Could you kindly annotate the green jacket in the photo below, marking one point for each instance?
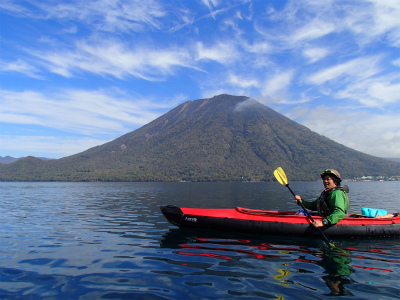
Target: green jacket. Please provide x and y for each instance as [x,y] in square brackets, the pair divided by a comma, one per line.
[337,202]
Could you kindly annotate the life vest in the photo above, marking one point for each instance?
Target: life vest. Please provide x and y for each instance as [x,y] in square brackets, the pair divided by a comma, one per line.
[323,205]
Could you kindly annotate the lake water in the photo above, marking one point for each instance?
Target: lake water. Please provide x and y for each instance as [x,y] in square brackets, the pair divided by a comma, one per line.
[110,241]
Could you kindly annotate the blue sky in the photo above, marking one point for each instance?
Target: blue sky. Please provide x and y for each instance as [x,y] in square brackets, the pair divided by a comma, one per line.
[76,74]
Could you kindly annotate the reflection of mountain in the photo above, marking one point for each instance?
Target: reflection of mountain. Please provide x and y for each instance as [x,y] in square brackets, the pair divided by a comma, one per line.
[219,139]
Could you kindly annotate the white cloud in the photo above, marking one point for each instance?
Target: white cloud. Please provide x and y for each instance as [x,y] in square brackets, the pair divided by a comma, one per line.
[246,104]
[14,9]
[385,91]
[20,66]
[105,15]
[315,54]
[48,146]
[386,20]
[299,23]
[257,47]
[110,57]
[396,62]
[362,131]
[354,69]
[373,92]
[77,111]
[368,21]
[363,22]
[278,84]
[242,82]
[312,30]
[221,52]
[211,4]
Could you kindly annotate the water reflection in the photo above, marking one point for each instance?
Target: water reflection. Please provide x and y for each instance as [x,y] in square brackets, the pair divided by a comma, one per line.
[305,263]
[336,264]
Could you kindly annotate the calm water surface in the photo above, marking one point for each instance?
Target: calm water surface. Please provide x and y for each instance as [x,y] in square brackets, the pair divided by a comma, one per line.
[110,241]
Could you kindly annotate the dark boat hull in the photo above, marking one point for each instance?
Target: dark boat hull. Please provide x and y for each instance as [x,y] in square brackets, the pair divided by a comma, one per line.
[278,223]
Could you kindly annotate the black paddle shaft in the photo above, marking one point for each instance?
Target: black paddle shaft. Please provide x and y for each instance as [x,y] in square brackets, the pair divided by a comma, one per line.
[308,215]
[301,204]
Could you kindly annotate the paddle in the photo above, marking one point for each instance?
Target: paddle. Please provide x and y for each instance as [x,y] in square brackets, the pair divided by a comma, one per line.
[281,177]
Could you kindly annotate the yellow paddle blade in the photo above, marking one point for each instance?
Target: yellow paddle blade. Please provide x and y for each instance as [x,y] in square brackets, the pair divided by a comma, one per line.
[281,176]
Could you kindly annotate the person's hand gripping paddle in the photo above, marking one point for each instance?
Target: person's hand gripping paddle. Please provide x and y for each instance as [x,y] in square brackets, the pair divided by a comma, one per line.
[282,179]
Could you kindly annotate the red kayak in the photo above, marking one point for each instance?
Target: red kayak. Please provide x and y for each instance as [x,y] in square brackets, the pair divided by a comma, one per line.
[280,223]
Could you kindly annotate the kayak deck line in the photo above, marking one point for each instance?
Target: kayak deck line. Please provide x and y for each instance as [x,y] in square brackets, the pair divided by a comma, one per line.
[262,212]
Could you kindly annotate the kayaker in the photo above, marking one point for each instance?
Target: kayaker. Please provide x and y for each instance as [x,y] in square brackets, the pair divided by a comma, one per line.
[333,202]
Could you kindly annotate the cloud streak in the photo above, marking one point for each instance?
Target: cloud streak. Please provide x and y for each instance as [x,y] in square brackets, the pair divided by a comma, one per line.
[76,111]
[48,146]
[20,66]
[358,68]
[114,58]
[104,15]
